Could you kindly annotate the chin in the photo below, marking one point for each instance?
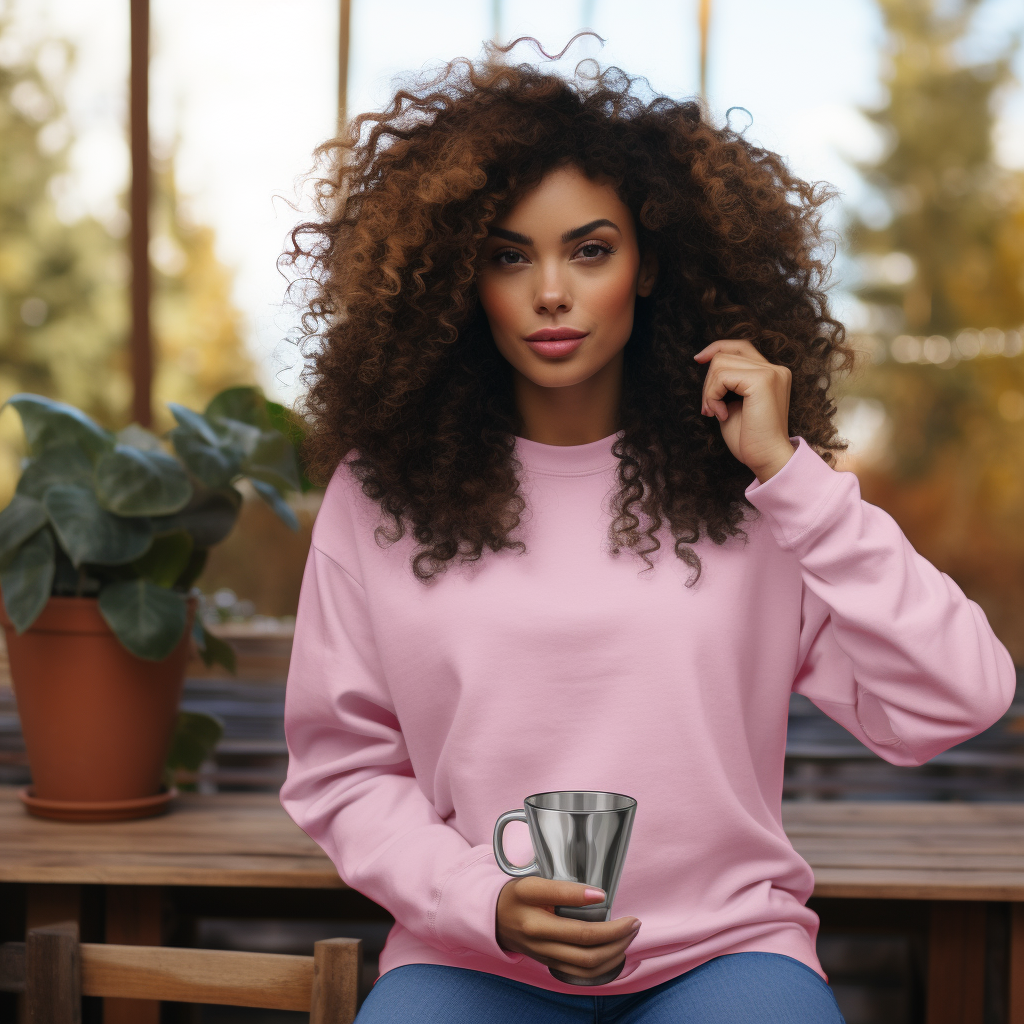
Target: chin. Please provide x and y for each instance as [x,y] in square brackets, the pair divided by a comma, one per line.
[562,375]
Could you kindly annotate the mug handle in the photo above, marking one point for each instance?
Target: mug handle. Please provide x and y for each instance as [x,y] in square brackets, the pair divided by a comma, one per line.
[499,851]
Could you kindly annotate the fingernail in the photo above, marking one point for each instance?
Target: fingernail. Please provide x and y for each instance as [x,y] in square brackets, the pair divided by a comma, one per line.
[593,894]
[635,928]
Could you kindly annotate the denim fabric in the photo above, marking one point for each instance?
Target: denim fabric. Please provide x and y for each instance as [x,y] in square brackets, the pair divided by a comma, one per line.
[739,988]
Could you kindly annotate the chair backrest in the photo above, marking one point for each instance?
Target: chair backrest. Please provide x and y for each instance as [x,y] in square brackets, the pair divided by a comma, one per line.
[55,970]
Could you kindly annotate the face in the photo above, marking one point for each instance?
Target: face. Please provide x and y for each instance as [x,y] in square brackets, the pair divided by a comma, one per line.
[558,280]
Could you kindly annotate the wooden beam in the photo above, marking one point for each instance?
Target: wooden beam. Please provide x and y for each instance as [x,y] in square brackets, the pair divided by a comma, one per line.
[344,30]
[956,964]
[141,336]
[50,904]
[134,916]
[53,992]
[704,25]
[272,981]
[336,967]
[1016,1014]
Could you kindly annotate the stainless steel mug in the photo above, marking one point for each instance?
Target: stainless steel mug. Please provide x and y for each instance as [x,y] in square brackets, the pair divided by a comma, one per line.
[577,836]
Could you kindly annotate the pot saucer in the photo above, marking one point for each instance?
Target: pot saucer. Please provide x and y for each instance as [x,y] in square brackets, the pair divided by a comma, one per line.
[102,810]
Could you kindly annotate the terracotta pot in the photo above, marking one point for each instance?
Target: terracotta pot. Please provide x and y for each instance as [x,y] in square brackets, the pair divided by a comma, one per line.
[97,720]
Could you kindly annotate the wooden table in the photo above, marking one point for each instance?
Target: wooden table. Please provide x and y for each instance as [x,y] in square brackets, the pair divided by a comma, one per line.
[960,857]
[228,843]
[956,859]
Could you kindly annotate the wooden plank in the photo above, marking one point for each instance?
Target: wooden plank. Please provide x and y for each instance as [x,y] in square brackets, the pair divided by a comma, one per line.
[795,812]
[899,859]
[336,968]
[131,869]
[53,993]
[1016,1013]
[924,885]
[133,916]
[884,850]
[197,824]
[272,981]
[956,964]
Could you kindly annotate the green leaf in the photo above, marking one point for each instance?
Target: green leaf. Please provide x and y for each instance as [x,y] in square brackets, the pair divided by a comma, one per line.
[71,582]
[236,436]
[167,558]
[246,404]
[22,517]
[212,649]
[211,464]
[193,422]
[132,482]
[48,423]
[61,464]
[295,428]
[196,735]
[149,620]
[89,533]
[273,461]
[208,517]
[26,578]
[193,568]
[287,422]
[136,436]
[281,508]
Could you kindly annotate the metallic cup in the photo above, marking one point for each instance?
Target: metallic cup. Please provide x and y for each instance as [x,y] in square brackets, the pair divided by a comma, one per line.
[577,836]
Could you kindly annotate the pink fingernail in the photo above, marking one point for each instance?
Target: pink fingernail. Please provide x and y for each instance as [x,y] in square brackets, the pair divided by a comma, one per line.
[593,894]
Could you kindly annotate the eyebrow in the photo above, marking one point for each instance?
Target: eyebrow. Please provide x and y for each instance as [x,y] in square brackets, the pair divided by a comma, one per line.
[585,229]
[511,236]
[568,236]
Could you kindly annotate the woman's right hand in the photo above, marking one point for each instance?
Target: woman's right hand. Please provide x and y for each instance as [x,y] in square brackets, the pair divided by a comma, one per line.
[525,922]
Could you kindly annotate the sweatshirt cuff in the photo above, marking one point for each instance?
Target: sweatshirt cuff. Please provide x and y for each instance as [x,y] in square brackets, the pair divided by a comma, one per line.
[464,918]
[796,499]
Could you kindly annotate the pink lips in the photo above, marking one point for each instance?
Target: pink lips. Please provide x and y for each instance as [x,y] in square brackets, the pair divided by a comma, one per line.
[555,341]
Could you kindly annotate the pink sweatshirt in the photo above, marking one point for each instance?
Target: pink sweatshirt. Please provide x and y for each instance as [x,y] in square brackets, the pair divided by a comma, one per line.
[416,714]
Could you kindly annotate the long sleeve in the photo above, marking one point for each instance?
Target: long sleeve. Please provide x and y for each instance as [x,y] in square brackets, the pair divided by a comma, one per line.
[350,782]
[890,647]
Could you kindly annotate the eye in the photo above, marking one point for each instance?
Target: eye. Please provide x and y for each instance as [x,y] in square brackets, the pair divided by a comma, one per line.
[509,258]
[593,250]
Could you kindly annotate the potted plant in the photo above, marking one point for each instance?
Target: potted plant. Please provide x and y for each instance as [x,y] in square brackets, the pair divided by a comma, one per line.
[99,551]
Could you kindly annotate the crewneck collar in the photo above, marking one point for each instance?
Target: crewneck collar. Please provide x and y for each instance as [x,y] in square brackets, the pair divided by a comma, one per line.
[567,459]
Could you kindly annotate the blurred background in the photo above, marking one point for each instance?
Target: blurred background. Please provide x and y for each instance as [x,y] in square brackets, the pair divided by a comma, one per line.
[913,109]
[152,161]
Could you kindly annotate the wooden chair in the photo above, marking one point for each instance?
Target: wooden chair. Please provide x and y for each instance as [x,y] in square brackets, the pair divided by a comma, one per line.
[54,970]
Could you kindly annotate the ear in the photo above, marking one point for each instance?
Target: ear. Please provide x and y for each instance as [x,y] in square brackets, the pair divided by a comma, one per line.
[647,275]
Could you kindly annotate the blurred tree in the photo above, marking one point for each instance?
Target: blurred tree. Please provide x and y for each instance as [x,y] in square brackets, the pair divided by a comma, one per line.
[63,276]
[948,198]
[943,277]
[197,328]
[62,304]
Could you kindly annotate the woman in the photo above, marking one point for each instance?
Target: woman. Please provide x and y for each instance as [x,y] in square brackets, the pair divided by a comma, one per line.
[587,332]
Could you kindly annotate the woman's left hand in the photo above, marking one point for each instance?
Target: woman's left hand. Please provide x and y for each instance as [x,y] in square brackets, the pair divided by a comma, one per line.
[756,429]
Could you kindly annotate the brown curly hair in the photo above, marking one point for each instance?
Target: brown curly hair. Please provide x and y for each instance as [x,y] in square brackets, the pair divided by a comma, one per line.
[404,378]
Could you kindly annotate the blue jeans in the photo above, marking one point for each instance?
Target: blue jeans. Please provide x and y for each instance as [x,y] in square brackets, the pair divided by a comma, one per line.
[739,988]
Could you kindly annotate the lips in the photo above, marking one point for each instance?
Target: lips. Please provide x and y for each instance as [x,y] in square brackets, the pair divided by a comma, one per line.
[556,334]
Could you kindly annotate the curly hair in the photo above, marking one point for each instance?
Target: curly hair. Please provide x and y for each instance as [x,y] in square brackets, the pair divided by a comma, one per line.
[405,381]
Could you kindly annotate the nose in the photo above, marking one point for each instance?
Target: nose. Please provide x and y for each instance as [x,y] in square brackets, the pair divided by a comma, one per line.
[552,295]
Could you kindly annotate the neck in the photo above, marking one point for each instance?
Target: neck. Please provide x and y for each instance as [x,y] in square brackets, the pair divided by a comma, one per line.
[576,414]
